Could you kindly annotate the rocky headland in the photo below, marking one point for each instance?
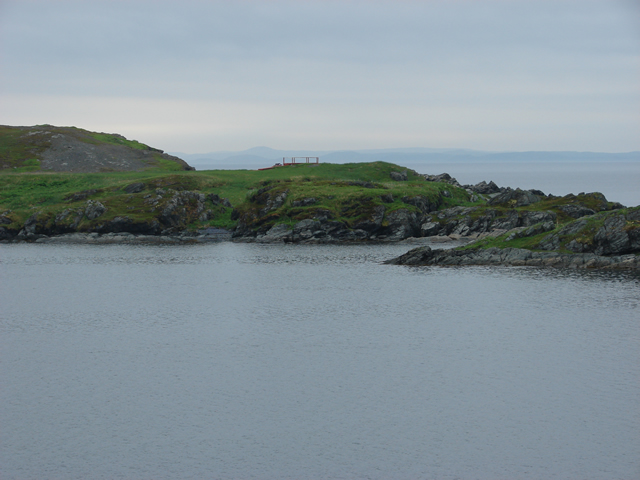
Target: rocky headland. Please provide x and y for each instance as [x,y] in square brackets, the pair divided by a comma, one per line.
[158,200]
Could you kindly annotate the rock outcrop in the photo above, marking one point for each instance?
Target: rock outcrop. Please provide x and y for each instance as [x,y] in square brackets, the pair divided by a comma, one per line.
[604,240]
[606,233]
[163,212]
[514,257]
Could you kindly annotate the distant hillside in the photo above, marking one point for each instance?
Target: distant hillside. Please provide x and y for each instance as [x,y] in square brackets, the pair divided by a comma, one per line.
[71,149]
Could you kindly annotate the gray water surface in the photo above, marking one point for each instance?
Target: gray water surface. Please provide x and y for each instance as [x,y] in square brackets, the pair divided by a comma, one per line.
[261,361]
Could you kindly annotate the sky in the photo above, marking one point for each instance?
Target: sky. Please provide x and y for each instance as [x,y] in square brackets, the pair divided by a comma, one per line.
[202,76]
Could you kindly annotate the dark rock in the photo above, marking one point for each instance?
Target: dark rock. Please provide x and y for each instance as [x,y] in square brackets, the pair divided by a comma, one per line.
[513,257]
[30,225]
[80,195]
[323,215]
[402,224]
[612,238]
[183,208]
[135,187]
[217,200]
[605,233]
[531,231]
[516,198]
[576,210]
[94,209]
[387,198]
[526,219]
[359,183]
[442,178]
[511,220]
[399,176]
[306,202]
[277,233]
[273,202]
[429,229]
[124,224]
[214,198]
[485,188]
[422,203]
[372,224]
[305,229]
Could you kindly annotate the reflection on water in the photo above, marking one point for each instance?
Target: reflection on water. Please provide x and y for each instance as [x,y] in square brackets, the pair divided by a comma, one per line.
[265,361]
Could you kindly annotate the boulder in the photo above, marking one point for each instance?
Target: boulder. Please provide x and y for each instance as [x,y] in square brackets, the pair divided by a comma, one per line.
[135,187]
[94,209]
[517,198]
[576,210]
[485,188]
[399,176]
[442,178]
[278,233]
[429,229]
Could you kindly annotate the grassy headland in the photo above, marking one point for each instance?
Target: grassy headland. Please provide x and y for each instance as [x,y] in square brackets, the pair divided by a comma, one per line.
[347,191]
[56,180]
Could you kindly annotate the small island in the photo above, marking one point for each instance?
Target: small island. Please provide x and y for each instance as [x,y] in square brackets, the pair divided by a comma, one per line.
[65,184]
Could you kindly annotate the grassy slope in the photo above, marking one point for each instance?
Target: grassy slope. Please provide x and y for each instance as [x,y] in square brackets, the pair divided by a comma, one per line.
[17,154]
[19,151]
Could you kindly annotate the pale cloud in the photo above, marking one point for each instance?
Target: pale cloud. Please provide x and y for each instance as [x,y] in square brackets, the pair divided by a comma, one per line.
[199,76]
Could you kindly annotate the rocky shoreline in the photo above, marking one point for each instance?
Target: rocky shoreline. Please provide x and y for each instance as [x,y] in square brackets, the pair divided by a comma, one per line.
[508,226]
[518,257]
[199,236]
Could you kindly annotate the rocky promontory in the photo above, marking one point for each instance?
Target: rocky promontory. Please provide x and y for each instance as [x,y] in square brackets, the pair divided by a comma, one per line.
[603,240]
[63,184]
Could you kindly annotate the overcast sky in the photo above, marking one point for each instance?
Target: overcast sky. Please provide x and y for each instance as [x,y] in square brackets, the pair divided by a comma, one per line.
[199,76]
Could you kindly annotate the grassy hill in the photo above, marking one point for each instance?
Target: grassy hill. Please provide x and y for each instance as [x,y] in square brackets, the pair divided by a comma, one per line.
[71,149]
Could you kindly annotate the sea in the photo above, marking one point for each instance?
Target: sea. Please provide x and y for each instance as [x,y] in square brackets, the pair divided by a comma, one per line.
[248,361]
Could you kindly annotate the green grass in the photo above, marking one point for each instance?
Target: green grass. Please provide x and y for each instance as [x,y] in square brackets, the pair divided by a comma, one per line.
[116,140]
[15,152]
[530,243]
